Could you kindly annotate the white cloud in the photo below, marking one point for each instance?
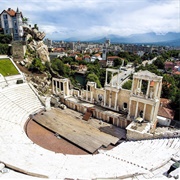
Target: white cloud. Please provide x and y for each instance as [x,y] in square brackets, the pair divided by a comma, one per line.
[69,18]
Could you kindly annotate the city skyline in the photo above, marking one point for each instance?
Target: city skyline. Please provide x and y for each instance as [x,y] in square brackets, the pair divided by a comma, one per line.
[87,19]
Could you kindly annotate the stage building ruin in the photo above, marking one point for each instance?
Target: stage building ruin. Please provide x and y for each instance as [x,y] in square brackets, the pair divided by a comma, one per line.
[135,109]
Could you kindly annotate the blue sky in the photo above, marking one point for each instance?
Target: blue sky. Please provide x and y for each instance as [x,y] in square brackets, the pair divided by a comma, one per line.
[61,19]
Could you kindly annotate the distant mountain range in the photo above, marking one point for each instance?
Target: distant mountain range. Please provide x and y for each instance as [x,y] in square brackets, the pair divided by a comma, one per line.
[168,39]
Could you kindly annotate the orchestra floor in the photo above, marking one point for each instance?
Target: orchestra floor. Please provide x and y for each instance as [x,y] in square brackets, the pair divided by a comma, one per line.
[64,131]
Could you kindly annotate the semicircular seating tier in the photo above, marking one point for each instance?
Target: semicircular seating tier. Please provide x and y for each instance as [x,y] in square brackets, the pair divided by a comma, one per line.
[126,160]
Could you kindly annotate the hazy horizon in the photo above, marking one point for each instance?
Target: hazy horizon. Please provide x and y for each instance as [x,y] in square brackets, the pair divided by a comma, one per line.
[93,18]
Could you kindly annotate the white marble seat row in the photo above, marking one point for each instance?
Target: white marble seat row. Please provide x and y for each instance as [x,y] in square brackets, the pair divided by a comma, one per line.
[148,155]
[127,159]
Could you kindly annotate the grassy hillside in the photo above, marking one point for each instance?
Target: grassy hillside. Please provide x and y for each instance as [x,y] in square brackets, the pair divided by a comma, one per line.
[7,68]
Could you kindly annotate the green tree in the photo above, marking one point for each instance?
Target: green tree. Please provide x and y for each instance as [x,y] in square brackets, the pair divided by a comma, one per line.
[36,27]
[37,66]
[177,80]
[62,69]
[25,20]
[117,62]
[176,105]
[94,78]
[5,38]
[4,48]
[94,69]
[110,53]
[66,60]
[169,88]
[127,85]
[159,62]
[102,76]
[150,67]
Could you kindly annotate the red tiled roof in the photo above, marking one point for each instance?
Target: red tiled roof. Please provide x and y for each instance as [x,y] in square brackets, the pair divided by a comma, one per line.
[72,55]
[96,55]
[177,73]
[165,102]
[58,49]
[113,57]
[11,12]
[168,62]
[86,56]
[165,112]
[79,58]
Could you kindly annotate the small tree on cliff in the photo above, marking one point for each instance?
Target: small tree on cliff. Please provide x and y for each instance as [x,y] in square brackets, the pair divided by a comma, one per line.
[37,66]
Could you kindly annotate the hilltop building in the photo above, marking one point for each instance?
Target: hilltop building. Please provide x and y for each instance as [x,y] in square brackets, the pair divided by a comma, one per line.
[11,22]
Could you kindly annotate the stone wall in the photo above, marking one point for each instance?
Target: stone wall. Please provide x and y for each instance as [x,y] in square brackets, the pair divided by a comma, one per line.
[137,135]
[18,50]
[101,114]
[98,92]
[123,97]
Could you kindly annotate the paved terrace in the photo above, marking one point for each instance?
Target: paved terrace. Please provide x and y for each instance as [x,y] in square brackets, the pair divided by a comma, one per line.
[145,158]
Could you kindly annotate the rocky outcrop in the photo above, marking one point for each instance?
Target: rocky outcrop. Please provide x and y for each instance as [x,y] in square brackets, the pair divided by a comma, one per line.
[35,44]
[41,83]
[41,49]
[36,35]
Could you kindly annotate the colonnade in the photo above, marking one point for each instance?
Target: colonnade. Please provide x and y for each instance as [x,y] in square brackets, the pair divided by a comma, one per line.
[113,71]
[153,90]
[151,96]
[60,87]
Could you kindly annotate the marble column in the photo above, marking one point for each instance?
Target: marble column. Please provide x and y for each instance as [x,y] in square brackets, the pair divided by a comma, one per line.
[106,77]
[117,84]
[56,87]
[152,112]
[111,79]
[91,96]
[137,105]
[140,84]
[67,88]
[129,112]
[115,105]
[63,91]
[110,95]
[132,88]
[53,86]
[137,88]
[104,97]
[86,95]
[156,90]
[159,89]
[147,92]
[144,110]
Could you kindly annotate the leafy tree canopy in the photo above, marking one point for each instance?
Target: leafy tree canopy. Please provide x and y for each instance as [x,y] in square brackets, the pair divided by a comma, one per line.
[37,66]
[159,62]
[127,85]
[150,67]
[5,38]
[117,62]
[58,66]
[94,69]
[4,48]
[169,88]
[94,78]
